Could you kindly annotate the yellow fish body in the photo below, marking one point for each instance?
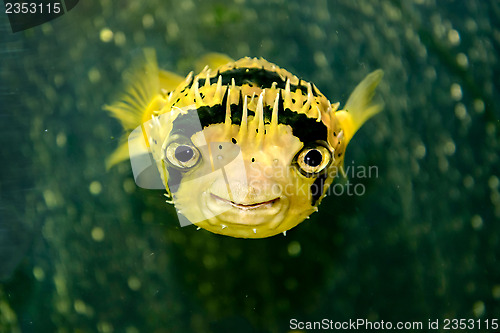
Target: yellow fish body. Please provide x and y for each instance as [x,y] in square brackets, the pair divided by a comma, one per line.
[244,148]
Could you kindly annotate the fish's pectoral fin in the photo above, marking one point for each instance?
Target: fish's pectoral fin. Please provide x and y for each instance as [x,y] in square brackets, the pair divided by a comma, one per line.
[119,155]
[169,80]
[359,107]
[138,101]
[131,145]
[142,84]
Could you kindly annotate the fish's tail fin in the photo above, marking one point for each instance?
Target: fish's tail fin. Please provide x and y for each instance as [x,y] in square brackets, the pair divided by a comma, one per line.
[359,107]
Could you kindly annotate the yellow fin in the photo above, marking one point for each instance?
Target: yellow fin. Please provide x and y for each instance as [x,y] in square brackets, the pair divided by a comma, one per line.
[143,85]
[119,155]
[141,96]
[359,107]
[212,60]
[169,81]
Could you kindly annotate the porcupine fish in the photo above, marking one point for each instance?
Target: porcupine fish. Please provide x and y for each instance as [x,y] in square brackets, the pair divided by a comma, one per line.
[244,148]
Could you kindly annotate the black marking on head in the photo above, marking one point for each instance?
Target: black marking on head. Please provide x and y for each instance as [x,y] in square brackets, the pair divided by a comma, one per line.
[254,77]
[305,128]
[317,188]
[253,159]
[211,115]
[187,124]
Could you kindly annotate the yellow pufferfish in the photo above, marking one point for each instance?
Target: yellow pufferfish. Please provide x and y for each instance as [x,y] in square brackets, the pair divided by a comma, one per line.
[244,148]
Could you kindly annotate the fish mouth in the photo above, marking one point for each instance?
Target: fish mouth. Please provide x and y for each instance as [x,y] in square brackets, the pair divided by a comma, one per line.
[250,206]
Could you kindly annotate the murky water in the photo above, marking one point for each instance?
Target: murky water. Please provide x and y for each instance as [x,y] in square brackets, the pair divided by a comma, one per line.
[83,249]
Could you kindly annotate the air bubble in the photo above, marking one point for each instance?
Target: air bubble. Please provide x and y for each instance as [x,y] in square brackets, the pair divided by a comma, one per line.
[106,35]
[95,188]
[478,308]
[454,37]
[476,222]
[97,234]
[462,60]
[294,249]
[456,91]
[479,105]
[493,182]
[460,111]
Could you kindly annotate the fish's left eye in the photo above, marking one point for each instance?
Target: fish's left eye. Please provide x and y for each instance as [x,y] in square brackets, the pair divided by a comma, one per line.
[312,160]
[182,155]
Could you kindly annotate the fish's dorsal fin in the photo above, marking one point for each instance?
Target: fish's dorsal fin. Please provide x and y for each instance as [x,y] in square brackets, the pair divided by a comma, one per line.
[212,60]
[359,107]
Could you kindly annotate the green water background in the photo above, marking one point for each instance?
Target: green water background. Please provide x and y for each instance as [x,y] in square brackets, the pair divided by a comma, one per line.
[98,254]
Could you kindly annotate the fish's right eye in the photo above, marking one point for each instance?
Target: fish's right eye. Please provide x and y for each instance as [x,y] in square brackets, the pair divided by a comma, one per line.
[182,155]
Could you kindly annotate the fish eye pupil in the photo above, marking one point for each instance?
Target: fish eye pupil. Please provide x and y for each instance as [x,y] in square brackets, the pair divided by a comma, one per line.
[184,153]
[313,158]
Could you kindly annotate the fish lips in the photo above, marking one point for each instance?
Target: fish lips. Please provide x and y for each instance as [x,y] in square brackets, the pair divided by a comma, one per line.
[270,212]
